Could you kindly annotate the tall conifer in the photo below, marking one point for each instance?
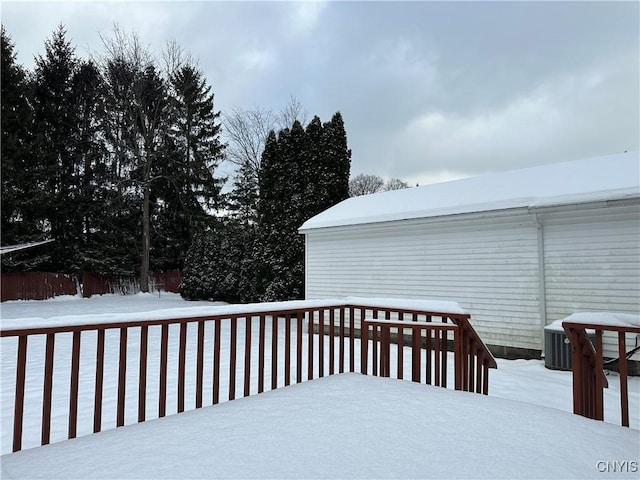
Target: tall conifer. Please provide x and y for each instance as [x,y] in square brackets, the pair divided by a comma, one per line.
[56,123]
[19,218]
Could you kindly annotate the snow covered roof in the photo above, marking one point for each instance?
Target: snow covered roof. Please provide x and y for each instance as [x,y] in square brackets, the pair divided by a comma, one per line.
[603,178]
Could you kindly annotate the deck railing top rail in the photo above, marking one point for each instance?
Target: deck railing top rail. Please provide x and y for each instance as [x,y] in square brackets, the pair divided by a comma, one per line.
[445,325]
[12,327]
[603,327]
[447,311]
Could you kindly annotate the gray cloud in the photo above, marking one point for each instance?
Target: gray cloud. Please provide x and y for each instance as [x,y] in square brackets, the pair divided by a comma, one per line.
[428,90]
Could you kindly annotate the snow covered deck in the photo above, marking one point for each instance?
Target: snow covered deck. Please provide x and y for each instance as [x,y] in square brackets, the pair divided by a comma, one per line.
[140,363]
[346,426]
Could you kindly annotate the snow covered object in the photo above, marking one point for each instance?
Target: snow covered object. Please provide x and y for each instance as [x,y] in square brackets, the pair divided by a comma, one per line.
[517,249]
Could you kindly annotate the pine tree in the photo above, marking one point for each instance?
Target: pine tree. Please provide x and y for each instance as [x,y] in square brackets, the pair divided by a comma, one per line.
[242,233]
[216,262]
[56,123]
[116,161]
[243,199]
[197,133]
[18,180]
[89,151]
[302,173]
[316,169]
[270,175]
[187,190]
[197,273]
[338,161]
[120,232]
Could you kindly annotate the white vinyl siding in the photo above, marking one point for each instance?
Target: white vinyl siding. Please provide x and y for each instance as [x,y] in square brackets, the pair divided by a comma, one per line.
[592,264]
[490,267]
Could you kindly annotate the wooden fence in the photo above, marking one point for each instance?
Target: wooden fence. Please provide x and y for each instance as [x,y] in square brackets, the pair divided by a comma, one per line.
[36,285]
[95,284]
[40,286]
[288,345]
[588,369]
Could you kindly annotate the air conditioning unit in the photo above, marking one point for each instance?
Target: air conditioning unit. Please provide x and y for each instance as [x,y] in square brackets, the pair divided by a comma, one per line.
[557,347]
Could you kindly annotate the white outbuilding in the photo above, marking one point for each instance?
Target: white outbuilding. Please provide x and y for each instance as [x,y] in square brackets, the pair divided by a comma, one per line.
[516,249]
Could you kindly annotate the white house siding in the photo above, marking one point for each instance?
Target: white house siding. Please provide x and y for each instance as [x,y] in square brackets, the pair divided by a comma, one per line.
[592,263]
[517,249]
[488,265]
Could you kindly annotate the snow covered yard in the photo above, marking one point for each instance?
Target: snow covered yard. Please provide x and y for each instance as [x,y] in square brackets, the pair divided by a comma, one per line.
[524,381]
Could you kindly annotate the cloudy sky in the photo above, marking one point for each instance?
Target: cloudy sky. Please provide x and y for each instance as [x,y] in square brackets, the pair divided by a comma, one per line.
[429,91]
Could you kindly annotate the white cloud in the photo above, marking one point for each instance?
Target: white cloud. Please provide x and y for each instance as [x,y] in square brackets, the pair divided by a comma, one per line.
[305,15]
[582,114]
[255,58]
[427,89]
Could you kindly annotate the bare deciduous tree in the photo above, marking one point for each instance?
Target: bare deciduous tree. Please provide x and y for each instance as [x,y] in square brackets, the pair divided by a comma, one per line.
[174,57]
[396,184]
[291,112]
[246,131]
[363,184]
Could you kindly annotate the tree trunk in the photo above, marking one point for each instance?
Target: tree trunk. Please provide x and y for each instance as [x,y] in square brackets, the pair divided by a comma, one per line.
[146,241]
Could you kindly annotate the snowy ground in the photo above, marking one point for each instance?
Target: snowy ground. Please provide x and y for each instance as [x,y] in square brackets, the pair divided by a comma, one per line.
[521,380]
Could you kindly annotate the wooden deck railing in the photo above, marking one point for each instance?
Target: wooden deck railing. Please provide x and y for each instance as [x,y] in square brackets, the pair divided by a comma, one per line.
[291,343]
[472,359]
[588,369]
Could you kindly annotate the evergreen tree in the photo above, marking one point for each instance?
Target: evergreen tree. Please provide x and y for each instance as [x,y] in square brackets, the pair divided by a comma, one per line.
[260,256]
[243,230]
[338,162]
[187,190]
[286,250]
[302,173]
[56,124]
[243,199]
[90,154]
[18,177]
[198,276]
[316,167]
[218,265]
[149,114]
[123,217]
[112,160]
[270,177]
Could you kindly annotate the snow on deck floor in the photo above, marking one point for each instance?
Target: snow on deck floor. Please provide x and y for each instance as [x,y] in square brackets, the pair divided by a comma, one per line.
[522,380]
[346,426]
